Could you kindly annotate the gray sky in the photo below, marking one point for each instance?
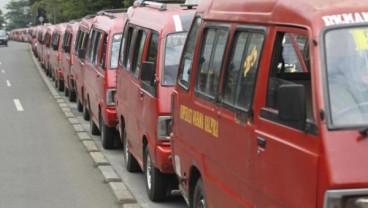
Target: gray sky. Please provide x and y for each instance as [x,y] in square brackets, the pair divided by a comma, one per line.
[2,5]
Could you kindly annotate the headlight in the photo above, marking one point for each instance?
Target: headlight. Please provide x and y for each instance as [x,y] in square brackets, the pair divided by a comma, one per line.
[163,128]
[110,96]
[348,198]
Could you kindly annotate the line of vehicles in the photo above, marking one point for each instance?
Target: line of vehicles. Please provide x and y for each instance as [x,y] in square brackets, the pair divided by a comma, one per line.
[237,103]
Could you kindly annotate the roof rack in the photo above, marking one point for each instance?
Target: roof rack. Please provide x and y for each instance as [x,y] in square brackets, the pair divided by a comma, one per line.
[111,12]
[74,21]
[190,4]
[90,16]
[152,4]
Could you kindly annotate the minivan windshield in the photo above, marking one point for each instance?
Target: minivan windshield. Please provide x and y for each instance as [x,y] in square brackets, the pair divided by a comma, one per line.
[173,48]
[346,53]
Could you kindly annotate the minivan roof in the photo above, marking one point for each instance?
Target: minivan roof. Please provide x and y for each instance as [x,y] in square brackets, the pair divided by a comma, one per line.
[161,21]
[285,12]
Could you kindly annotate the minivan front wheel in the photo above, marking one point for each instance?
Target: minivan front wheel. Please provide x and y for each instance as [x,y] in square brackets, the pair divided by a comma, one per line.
[156,182]
[131,164]
[199,199]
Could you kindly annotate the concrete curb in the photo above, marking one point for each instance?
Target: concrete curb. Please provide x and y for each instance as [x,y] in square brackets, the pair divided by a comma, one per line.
[84,136]
[109,174]
[122,193]
[99,159]
[90,146]
[119,189]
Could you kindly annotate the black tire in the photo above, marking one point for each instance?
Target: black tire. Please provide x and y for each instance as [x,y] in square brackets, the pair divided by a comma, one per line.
[86,116]
[72,96]
[131,163]
[107,134]
[199,197]
[79,105]
[156,182]
[94,128]
[60,85]
[66,92]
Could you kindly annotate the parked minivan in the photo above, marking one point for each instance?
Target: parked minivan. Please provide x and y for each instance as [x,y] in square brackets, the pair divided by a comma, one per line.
[77,72]
[46,52]
[269,109]
[56,54]
[151,47]
[100,73]
[67,59]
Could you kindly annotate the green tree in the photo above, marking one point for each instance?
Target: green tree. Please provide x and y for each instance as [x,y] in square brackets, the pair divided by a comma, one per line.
[65,10]
[18,14]
[2,19]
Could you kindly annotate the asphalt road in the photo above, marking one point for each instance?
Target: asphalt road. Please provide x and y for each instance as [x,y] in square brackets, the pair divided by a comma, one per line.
[43,162]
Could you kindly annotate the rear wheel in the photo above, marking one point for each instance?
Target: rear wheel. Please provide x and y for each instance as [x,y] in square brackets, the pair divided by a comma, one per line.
[94,128]
[107,134]
[72,96]
[131,163]
[156,182]
[86,115]
[60,85]
[66,91]
[199,198]
[79,105]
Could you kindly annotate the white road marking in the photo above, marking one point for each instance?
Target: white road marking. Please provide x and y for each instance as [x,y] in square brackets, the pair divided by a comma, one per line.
[8,83]
[18,105]
[3,71]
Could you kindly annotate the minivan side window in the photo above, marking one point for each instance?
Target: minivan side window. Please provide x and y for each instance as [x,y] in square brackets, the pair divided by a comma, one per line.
[210,61]
[127,42]
[186,64]
[153,47]
[290,65]
[138,52]
[92,38]
[102,59]
[97,48]
[241,73]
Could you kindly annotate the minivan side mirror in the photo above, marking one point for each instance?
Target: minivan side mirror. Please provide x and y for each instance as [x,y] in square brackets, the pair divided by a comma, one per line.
[291,103]
[81,53]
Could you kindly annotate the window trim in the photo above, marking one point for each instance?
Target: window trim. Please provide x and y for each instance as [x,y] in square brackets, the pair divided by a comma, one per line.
[211,25]
[271,114]
[251,29]
[181,68]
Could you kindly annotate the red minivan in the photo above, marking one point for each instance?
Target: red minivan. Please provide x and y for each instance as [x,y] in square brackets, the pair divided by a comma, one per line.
[100,73]
[56,54]
[46,64]
[77,71]
[270,107]
[67,59]
[151,47]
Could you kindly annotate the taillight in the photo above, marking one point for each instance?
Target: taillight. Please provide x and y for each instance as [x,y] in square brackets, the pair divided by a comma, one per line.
[163,132]
[110,96]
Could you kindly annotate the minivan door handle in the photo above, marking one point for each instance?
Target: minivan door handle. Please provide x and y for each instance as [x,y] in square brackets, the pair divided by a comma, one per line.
[261,142]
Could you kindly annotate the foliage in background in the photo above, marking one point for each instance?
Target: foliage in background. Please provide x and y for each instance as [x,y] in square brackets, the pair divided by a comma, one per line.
[18,14]
[56,11]
[2,20]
